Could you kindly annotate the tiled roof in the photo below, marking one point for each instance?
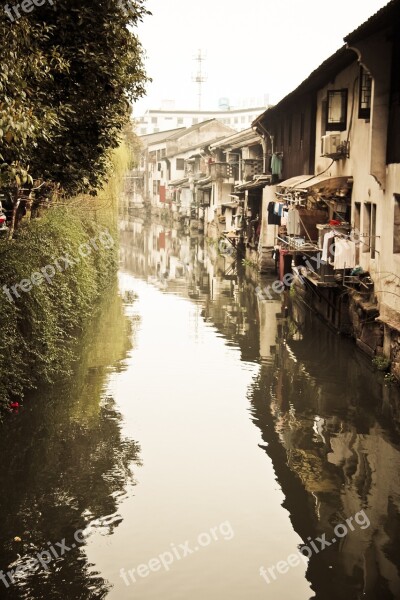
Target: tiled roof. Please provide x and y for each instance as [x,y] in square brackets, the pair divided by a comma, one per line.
[190,129]
[341,59]
[199,145]
[205,112]
[238,138]
[386,16]
[159,136]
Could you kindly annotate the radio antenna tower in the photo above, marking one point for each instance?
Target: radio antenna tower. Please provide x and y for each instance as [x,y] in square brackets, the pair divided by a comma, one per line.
[200,77]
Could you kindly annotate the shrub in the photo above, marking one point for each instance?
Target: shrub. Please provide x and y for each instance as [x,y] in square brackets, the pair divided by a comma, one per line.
[381,363]
[39,326]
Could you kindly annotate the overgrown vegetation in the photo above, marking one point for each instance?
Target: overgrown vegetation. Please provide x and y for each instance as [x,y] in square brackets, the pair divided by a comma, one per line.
[381,363]
[69,70]
[39,327]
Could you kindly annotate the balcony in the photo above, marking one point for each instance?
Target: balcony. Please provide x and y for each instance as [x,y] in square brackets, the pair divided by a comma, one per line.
[223,170]
[251,168]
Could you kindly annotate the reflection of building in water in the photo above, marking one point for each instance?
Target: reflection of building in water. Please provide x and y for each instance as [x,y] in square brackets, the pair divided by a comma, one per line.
[268,311]
[329,419]
[152,251]
[179,264]
[329,425]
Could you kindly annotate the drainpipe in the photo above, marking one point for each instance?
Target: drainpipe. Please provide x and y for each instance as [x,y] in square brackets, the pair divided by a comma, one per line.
[271,138]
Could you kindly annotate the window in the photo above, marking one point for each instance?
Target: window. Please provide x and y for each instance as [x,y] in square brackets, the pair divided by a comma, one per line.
[365,92]
[396,225]
[180,120]
[236,120]
[195,121]
[154,120]
[180,164]
[370,229]
[336,118]
[242,119]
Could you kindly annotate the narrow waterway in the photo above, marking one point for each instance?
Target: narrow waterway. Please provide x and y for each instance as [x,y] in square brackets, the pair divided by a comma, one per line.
[201,437]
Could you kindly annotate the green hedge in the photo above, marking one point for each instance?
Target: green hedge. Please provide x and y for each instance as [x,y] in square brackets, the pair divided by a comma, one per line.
[37,328]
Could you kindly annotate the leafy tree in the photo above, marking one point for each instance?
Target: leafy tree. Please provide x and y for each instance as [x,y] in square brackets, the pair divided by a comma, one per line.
[26,111]
[69,73]
[105,73]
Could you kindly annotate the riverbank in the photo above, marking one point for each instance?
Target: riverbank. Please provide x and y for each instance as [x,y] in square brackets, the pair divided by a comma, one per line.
[52,276]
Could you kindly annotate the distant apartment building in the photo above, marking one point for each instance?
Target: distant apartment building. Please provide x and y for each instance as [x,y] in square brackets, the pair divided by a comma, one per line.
[154,121]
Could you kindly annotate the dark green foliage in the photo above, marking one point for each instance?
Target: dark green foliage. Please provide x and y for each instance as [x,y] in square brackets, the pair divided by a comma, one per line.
[68,73]
[381,363]
[38,328]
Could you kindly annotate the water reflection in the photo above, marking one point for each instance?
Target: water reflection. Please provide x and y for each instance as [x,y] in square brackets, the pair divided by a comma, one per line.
[273,424]
[66,467]
[328,422]
[338,426]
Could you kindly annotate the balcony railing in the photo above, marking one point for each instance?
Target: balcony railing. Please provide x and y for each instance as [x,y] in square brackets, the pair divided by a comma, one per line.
[252,167]
[223,170]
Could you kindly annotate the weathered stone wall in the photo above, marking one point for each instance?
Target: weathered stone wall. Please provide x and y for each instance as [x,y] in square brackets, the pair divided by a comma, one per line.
[367,332]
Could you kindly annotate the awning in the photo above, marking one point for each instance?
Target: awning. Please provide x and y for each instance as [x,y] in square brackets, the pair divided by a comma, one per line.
[293,182]
[230,204]
[260,182]
[204,184]
[316,183]
[179,182]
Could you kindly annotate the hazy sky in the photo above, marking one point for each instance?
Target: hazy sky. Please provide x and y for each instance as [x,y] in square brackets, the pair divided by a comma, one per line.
[253,48]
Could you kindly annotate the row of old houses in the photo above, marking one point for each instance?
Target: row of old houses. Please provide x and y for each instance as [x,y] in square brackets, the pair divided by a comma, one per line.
[313,184]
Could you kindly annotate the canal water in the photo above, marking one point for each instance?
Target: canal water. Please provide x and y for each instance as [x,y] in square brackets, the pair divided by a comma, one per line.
[205,447]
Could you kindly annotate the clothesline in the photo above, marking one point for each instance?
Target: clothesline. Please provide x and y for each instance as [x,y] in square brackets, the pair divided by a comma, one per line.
[289,198]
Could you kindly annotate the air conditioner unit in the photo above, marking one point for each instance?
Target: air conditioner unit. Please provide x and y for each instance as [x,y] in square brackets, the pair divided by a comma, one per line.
[331,145]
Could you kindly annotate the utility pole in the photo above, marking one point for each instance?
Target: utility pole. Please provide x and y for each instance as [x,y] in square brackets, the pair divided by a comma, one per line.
[200,77]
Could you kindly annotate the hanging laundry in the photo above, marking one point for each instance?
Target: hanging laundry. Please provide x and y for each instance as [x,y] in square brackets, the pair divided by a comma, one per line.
[328,242]
[273,219]
[293,222]
[345,254]
[276,165]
